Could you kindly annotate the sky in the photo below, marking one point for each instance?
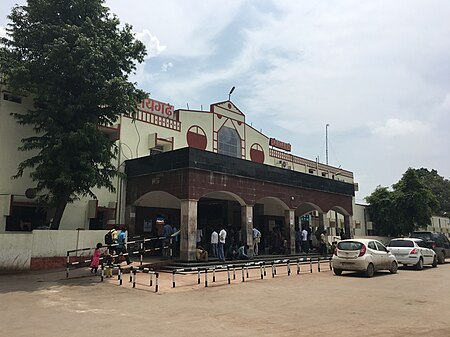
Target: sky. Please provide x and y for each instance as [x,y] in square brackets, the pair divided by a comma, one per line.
[378,72]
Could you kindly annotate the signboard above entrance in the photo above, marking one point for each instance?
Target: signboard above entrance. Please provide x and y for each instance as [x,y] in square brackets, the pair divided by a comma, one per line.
[279,144]
[157,108]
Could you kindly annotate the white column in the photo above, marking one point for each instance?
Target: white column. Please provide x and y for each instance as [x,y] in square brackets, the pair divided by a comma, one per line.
[247,227]
[289,220]
[188,225]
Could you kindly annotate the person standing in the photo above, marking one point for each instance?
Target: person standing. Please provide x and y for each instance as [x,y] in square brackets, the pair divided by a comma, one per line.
[305,241]
[121,246]
[175,241]
[222,239]
[256,240]
[298,240]
[323,245]
[214,243]
[167,233]
[96,258]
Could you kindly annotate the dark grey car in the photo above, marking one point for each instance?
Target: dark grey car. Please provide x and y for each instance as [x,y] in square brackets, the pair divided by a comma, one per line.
[439,242]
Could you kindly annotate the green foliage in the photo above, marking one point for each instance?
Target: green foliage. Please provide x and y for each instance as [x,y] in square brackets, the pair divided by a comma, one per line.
[439,186]
[74,60]
[381,211]
[407,207]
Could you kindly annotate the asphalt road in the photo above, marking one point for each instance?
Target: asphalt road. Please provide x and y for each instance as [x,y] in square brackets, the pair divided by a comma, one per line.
[410,303]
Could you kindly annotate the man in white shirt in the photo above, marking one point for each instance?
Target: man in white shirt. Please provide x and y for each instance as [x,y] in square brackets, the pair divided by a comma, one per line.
[222,238]
[256,240]
[214,243]
[305,242]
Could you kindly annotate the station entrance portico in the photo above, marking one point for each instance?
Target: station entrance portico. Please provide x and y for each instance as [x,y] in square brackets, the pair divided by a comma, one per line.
[199,191]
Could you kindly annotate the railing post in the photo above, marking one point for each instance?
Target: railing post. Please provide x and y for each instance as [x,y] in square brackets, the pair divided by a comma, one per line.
[119,275]
[131,274]
[273,269]
[103,273]
[243,278]
[264,268]
[228,273]
[261,271]
[173,278]
[289,267]
[206,277]
[310,264]
[142,253]
[298,266]
[318,264]
[156,282]
[134,278]
[214,273]
[198,276]
[151,280]
[67,264]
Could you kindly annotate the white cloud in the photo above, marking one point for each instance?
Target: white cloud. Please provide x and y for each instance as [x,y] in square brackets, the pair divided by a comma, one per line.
[151,42]
[166,66]
[394,127]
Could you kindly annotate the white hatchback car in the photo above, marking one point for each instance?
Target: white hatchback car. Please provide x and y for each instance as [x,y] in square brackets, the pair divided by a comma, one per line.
[411,251]
[363,255]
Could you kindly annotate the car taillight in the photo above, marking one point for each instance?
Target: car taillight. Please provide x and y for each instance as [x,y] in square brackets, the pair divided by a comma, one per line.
[362,251]
[335,251]
[414,251]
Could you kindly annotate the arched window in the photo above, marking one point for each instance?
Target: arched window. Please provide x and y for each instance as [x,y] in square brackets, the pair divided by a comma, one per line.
[229,142]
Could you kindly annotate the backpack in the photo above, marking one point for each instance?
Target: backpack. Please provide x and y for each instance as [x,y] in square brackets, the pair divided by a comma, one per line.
[108,238]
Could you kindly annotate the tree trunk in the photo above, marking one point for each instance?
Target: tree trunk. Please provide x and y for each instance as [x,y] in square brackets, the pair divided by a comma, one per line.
[59,211]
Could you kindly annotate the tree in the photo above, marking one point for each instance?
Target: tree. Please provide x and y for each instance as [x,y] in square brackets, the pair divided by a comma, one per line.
[439,186]
[74,60]
[407,207]
[414,202]
[382,212]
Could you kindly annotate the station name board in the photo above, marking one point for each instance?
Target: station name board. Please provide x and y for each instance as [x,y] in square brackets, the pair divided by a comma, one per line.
[157,108]
[279,144]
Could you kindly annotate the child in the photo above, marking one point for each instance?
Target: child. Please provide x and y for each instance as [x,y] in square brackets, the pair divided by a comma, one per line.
[96,258]
[108,264]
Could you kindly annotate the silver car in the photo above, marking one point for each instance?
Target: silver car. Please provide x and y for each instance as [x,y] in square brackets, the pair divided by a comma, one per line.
[413,252]
[363,255]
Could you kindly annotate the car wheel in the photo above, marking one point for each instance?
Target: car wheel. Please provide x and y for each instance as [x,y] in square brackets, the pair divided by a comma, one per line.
[419,264]
[337,271]
[370,271]
[435,262]
[441,258]
[394,268]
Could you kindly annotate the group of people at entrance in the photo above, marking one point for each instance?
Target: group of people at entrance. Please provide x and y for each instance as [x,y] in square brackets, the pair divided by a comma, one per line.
[221,250]
[302,240]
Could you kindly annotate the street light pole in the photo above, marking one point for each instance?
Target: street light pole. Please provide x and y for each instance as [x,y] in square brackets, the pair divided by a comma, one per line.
[326,143]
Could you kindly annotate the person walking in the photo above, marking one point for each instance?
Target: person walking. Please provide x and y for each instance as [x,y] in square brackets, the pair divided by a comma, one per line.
[214,243]
[96,258]
[222,239]
[121,246]
[108,264]
[256,240]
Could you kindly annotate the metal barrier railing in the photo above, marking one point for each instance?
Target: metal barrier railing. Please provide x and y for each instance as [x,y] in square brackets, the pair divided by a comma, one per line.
[231,268]
[141,252]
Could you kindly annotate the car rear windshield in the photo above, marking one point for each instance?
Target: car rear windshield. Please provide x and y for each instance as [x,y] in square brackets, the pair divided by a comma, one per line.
[349,245]
[401,243]
[422,235]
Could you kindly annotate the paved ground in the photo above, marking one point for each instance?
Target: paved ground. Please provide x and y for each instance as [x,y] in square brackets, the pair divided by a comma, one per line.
[411,303]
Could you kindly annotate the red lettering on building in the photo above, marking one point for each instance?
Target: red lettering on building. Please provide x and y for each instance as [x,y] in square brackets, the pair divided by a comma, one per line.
[279,144]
